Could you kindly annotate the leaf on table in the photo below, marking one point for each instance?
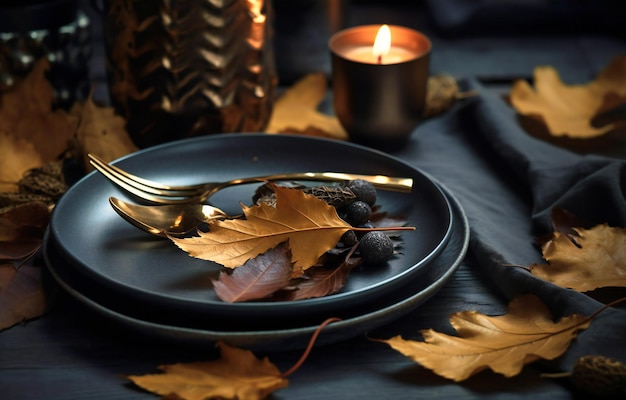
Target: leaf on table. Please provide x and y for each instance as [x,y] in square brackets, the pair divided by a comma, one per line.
[308,224]
[26,112]
[17,155]
[31,133]
[22,296]
[21,230]
[238,374]
[502,343]
[586,259]
[101,132]
[568,110]
[296,110]
[258,278]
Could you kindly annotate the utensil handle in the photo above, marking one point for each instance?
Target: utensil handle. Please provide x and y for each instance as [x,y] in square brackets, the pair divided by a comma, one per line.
[398,184]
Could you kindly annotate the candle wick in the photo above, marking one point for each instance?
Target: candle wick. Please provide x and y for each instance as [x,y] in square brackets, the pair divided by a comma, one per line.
[380,59]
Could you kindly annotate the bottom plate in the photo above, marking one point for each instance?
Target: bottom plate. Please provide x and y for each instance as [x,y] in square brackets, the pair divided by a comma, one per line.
[439,272]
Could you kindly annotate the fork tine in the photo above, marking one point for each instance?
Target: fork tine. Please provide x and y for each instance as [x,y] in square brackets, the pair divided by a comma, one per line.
[131,188]
[145,185]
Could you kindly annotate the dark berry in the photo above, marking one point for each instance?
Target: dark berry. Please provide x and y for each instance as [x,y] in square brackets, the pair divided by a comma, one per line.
[348,239]
[358,213]
[375,248]
[363,191]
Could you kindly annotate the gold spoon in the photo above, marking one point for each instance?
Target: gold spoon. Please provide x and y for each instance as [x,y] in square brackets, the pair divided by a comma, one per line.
[164,220]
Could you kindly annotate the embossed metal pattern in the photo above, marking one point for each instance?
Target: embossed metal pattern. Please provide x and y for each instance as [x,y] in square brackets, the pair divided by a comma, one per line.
[190,67]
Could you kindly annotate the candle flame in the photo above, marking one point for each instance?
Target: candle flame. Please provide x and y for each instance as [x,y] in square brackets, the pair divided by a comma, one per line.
[382,44]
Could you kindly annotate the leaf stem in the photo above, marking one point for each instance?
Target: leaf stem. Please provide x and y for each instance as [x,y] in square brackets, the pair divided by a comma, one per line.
[309,347]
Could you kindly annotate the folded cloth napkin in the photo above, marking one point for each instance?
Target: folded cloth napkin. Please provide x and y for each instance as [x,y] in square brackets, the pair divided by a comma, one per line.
[508,182]
[469,17]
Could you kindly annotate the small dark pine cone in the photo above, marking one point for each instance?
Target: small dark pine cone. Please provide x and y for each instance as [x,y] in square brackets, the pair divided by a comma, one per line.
[333,195]
[600,376]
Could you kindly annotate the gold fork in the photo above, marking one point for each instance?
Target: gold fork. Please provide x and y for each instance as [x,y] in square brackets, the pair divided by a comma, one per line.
[167,194]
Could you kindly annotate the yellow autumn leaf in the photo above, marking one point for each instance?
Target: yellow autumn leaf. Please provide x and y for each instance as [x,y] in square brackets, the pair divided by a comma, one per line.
[568,110]
[502,343]
[101,132]
[26,112]
[309,224]
[593,258]
[296,110]
[238,374]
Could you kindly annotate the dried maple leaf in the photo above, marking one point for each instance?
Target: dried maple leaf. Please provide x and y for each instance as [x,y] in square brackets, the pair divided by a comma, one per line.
[258,278]
[22,295]
[31,133]
[589,259]
[296,110]
[238,374]
[21,230]
[322,281]
[101,132]
[26,112]
[503,343]
[310,226]
[568,110]
[21,290]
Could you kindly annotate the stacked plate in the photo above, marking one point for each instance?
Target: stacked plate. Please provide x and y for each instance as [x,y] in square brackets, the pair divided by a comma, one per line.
[148,284]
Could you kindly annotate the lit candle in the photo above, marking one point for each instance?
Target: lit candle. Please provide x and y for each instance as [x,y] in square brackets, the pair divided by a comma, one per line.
[381,52]
[380,76]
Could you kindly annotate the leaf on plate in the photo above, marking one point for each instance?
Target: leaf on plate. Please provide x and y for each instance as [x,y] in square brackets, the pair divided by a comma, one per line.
[321,281]
[569,110]
[308,224]
[502,343]
[101,132]
[585,259]
[296,110]
[258,278]
[238,374]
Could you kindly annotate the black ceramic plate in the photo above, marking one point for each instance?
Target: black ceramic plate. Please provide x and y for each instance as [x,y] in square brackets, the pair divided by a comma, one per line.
[152,272]
[397,304]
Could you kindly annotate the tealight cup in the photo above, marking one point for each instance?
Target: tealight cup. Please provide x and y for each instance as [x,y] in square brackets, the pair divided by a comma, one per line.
[379,95]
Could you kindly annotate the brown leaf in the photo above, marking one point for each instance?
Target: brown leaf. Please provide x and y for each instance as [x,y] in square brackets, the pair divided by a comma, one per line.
[503,343]
[21,294]
[568,110]
[296,110]
[258,278]
[21,230]
[590,259]
[101,132]
[26,113]
[322,281]
[311,227]
[237,375]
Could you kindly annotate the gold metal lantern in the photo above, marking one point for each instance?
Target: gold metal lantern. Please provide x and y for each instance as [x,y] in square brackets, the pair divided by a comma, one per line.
[183,68]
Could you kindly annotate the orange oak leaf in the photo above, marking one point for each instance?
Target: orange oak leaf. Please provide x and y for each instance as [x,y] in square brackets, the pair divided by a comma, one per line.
[308,224]
[258,278]
[502,343]
[569,110]
[586,260]
[238,374]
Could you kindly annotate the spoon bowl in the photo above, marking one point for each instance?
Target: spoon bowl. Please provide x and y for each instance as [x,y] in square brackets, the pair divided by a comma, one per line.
[167,220]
